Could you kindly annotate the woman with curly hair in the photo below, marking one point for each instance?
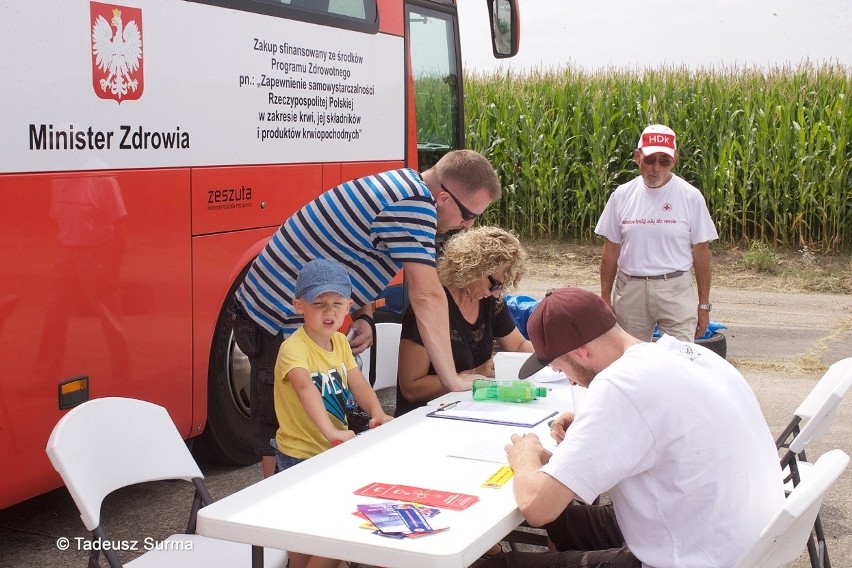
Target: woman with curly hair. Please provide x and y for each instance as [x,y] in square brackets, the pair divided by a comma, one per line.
[476,266]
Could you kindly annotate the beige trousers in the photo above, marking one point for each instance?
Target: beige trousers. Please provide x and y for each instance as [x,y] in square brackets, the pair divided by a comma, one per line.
[671,304]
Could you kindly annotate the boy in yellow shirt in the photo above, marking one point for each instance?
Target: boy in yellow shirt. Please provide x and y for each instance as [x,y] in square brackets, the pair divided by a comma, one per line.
[316,377]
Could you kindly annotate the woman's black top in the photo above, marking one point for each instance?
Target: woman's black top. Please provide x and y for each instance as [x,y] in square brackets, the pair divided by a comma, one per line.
[472,343]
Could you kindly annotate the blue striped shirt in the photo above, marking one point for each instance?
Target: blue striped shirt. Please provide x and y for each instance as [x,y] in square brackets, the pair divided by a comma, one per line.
[370,225]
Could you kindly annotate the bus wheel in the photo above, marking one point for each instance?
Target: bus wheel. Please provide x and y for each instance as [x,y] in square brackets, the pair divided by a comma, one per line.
[227,436]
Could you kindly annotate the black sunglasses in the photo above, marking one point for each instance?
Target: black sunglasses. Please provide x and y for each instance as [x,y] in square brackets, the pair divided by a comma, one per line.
[466,213]
[495,284]
[664,161]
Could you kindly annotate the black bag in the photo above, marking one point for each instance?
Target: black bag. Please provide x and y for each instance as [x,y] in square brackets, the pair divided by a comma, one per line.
[358,420]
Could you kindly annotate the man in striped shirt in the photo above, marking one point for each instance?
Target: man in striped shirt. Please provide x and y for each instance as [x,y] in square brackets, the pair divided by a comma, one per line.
[373,226]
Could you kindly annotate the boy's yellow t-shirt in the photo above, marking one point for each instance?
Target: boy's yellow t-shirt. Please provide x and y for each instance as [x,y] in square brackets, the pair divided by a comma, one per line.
[297,434]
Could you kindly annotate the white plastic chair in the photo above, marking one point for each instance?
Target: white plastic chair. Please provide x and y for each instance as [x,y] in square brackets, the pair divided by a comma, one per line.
[784,538]
[109,443]
[387,354]
[386,345]
[816,413]
[812,419]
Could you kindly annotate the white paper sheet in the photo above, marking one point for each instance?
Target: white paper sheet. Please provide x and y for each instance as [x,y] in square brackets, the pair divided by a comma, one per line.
[547,375]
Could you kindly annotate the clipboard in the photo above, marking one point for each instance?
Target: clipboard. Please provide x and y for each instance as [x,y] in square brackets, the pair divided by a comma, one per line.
[491,413]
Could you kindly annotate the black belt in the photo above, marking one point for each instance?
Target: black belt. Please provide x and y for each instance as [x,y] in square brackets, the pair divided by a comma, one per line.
[674,274]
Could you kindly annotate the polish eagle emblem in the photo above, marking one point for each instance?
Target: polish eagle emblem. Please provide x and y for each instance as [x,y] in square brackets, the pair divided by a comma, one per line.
[116,54]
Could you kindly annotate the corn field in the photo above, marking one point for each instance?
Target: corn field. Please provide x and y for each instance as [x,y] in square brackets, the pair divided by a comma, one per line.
[771,150]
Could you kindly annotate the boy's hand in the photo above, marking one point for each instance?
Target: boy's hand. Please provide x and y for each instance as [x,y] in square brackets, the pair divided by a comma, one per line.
[340,436]
[379,419]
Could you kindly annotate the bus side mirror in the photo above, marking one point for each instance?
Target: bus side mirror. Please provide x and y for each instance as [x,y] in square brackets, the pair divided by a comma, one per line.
[505,27]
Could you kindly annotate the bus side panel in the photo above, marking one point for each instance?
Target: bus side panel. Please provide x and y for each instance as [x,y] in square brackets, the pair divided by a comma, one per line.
[284,189]
[209,86]
[356,170]
[392,17]
[95,282]
[331,175]
[213,257]
[233,198]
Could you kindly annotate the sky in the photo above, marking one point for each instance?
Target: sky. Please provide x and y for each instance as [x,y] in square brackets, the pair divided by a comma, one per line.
[600,34]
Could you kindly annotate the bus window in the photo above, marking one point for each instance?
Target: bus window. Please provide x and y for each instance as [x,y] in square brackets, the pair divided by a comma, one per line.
[360,15]
[437,84]
[357,10]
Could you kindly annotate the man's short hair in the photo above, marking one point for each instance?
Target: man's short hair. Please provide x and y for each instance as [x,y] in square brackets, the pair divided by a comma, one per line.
[471,170]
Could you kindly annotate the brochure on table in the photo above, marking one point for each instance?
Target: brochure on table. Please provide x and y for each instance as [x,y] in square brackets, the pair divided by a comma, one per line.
[420,495]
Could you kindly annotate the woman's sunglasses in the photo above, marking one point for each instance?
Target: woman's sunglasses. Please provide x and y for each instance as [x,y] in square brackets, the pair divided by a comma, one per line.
[495,284]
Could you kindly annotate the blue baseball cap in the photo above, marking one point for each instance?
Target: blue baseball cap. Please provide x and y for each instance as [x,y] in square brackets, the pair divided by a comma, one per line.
[320,276]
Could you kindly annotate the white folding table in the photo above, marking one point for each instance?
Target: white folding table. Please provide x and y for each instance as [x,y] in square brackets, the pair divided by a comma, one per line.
[308,508]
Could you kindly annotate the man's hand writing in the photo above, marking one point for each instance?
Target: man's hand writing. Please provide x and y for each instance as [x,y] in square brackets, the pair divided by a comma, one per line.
[526,448]
[560,425]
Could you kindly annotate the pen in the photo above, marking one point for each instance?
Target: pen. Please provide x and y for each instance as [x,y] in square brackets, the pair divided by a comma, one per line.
[448,405]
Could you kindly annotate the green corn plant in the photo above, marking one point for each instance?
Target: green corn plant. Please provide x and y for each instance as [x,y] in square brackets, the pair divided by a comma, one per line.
[771,150]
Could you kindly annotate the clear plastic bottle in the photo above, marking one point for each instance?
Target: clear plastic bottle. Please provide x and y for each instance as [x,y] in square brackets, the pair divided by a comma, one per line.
[507,391]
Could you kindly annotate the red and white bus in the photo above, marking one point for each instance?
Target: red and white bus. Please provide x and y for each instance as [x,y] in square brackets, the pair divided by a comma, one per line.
[148,150]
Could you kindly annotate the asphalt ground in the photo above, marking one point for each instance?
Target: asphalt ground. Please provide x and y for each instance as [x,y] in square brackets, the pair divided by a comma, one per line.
[782,344]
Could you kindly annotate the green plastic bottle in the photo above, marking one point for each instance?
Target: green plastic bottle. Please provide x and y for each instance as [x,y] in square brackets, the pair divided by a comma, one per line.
[507,391]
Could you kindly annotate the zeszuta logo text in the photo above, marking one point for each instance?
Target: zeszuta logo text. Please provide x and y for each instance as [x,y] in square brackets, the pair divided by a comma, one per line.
[229,198]
[117,61]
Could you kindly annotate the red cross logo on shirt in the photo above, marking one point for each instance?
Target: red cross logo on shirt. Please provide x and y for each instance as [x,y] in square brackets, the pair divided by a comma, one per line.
[667,206]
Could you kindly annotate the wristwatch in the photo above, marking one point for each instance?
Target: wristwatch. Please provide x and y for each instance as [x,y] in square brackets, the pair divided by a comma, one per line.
[705,307]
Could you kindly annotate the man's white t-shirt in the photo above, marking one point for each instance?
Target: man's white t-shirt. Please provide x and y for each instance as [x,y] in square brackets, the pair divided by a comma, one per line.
[675,435]
[656,228]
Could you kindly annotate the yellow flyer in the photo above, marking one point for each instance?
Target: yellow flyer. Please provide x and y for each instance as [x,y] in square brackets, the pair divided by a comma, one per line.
[500,477]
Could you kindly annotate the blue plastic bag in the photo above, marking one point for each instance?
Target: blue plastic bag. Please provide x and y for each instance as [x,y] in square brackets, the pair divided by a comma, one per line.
[521,307]
[712,328]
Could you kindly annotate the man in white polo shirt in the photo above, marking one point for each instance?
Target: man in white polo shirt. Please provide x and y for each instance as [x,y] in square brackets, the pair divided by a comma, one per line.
[670,430]
[657,228]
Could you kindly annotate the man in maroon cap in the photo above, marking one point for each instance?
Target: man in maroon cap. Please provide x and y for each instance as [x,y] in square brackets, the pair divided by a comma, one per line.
[669,430]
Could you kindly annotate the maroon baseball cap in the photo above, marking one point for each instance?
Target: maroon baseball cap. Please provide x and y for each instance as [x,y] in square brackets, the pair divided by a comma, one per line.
[564,320]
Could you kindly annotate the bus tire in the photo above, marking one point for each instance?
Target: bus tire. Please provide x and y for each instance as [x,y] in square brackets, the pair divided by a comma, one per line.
[717,343]
[227,436]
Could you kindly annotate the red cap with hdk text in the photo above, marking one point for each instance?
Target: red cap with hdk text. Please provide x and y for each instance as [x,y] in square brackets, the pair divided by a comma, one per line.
[658,138]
